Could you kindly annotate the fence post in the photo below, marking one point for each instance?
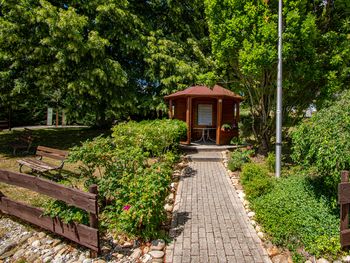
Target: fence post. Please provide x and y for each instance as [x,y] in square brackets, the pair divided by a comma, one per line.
[94,219]
[344,209]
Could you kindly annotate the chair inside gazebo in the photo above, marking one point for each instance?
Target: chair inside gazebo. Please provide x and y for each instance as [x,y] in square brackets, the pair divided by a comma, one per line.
[211,114]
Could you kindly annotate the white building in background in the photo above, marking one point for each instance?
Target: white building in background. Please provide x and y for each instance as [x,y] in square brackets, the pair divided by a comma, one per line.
[310,110]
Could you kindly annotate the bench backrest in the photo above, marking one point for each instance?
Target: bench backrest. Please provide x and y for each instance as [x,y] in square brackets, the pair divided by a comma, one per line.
[51,153]
[4,125]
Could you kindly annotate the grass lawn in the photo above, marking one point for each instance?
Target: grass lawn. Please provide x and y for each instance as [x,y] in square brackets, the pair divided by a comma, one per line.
[60,138]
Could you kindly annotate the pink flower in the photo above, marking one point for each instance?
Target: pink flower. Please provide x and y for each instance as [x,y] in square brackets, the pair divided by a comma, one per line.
[126,208]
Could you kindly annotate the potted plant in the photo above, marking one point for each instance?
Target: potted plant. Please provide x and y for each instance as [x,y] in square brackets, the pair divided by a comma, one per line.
[227,132]
[226,127]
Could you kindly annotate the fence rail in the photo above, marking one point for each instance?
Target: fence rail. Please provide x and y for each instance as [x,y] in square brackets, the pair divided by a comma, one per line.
[87,236]
[344,201]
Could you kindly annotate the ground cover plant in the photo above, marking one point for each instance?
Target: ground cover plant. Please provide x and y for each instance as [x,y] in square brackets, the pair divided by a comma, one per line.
[238,158]
[292,213]
[132,169]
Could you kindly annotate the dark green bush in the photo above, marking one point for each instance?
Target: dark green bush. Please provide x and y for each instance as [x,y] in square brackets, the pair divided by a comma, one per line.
[295,217]
[255,180]
[133,173]
[324,142]
[238,158]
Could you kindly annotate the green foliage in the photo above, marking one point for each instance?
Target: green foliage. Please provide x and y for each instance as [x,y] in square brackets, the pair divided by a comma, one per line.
[255,180]
[133,172]
[271,161]
[145,192]
[154,137]
[68,214]
[315,54]
[238,158]
[294,216]
[323,142]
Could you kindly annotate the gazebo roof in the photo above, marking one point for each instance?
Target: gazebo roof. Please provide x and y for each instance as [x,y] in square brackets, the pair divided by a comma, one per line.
[204,91]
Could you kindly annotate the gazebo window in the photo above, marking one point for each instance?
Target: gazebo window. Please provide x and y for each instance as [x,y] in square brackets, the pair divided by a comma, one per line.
[205,114]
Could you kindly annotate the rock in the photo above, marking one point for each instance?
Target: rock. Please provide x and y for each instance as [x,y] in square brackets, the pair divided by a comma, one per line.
[47,259]
[157,260]
[127,244]
[18,254]
[41,235]
[62,251]
[99,261]
[168,207]
[32,239]
[32,257]
[157,254]
[280,259]
[81,258]
[146,258]
[36,243]
[337,261]
[171,197]
[136,253]
[8,254]
[87,260]
[251,214]
[24,238]
[261,235]
[308,261]
[322,260]
[272,251]
[158,244]
[253,222]
[106,249]
[56,242]
[258,228]
[7,246]
[145,250]
[58,259]
[235,181]
[241,195]
[346,259]
[58,248]
[246,203]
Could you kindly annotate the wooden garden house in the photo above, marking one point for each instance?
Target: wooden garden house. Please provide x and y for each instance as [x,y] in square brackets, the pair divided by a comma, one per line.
[211,114]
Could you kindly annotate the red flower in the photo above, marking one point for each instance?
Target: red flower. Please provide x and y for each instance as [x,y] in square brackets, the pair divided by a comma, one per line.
[126,208]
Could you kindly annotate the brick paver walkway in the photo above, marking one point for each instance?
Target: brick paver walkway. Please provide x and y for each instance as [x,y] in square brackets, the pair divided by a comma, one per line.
[210,224]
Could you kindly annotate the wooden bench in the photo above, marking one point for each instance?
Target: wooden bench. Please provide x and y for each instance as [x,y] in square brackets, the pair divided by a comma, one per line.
[24,141]
[4,124]
[38,165]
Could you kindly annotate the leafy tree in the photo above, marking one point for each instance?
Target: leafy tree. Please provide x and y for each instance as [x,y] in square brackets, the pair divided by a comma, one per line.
[72,52]
[244,41]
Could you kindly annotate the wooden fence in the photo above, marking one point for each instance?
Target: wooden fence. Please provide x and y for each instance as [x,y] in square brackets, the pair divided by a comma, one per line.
[344,201]
[87,236]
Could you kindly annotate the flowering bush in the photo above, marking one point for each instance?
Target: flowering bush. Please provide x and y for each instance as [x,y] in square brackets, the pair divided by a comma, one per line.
[133,172]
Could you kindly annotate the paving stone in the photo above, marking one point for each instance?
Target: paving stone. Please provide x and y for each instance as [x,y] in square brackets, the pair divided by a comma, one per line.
[210,223]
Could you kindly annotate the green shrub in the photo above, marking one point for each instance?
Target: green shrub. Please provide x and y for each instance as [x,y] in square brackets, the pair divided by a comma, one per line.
[238,158]
[255,180]
[155,137]
[324,142]
[271,161]
[133,173]
[295,217]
